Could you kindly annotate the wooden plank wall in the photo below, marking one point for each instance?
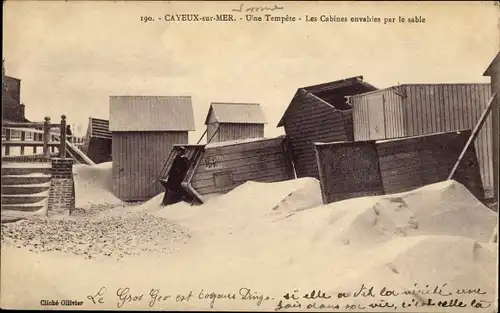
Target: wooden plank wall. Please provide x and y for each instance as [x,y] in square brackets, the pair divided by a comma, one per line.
[432,108]
[99,149]
[233,131]
[495,131]
[223,168]
[190,153]
[348,170]
[393,117]
[100,128]
[309,120]
[422,109]
[212,134]
[411,163]
[138,157]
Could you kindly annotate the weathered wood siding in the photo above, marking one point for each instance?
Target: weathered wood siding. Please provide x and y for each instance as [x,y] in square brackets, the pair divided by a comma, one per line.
[98,141]
[391,123]
[213,134]
[221,169]
[348,170]
[495,130]
[190,153]
[421,109]
[308,121]
[137,159]
[232,131]
[410,163]
[99,149]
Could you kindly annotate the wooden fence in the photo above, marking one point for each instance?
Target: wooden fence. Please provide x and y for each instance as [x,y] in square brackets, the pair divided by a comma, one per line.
[45,135]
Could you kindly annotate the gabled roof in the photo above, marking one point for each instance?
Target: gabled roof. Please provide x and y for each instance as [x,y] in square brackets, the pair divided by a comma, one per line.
[11,78]
[238,113]
[333,93]
[494,66]
[151,113]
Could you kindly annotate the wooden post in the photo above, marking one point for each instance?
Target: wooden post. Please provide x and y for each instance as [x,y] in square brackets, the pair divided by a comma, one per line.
[7,138]
[52,139]
[62,138]
[206,129]
[35,138]
[474,134]
[23,138]
[46,136]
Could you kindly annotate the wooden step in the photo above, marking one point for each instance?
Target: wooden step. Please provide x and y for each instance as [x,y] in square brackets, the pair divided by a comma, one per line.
[23,199]
[28,207]
[24,188]
[34,178]
[26,168]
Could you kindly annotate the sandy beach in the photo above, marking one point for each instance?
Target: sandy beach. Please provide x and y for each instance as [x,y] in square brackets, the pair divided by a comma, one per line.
[270,247]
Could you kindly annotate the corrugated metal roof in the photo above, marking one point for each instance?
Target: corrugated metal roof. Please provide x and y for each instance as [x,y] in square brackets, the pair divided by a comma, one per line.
[151,113]
[241,113]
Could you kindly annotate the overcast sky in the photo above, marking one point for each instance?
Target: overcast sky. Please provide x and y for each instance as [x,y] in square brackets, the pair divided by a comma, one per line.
[72,56]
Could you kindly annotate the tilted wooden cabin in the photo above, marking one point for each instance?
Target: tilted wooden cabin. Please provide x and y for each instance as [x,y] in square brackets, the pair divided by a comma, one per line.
[144,129]
[97,144]
[218,168]
[421,109]
[376,167]
[493,71]
[319,113]
[233,121]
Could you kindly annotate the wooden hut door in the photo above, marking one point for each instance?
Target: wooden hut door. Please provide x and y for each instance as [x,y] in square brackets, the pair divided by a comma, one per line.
[376,116]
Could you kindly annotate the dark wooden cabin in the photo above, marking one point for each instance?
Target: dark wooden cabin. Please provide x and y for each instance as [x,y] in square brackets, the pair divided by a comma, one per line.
[144,130]
[368,168]
[98,141]
[218,168]
[493,71]
[319,113]
[233,121]
[422,109]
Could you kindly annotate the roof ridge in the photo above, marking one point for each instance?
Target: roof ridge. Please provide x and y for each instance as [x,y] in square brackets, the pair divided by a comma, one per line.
[146,96]
[338,81]
[236,103]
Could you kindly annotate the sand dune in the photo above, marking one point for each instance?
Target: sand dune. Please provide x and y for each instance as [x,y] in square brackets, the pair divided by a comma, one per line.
[276,238]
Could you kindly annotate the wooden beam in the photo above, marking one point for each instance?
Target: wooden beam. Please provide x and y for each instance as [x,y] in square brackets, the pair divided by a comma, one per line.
[23,138]
[28,125]
[474,134]
[18,143]
[7,138]
[206,129]
[216,131]
[319,99]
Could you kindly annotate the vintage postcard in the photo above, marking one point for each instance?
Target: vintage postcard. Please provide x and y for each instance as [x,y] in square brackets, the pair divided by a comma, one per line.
[279,156]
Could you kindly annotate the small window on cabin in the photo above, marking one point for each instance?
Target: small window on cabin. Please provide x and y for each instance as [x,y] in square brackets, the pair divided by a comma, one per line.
[223,179]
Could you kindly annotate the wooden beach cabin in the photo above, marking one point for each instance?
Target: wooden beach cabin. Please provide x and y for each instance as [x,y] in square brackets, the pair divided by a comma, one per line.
[233,121]
[423,109]
[218,168]
[319,113]
[493,71]
[97,144]
[144,130]
[376,167]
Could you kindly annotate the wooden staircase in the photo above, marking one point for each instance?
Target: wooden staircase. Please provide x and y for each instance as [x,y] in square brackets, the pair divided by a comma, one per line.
[25,189]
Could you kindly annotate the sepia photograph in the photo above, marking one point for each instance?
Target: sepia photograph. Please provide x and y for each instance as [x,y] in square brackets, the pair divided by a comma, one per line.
[285,156]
